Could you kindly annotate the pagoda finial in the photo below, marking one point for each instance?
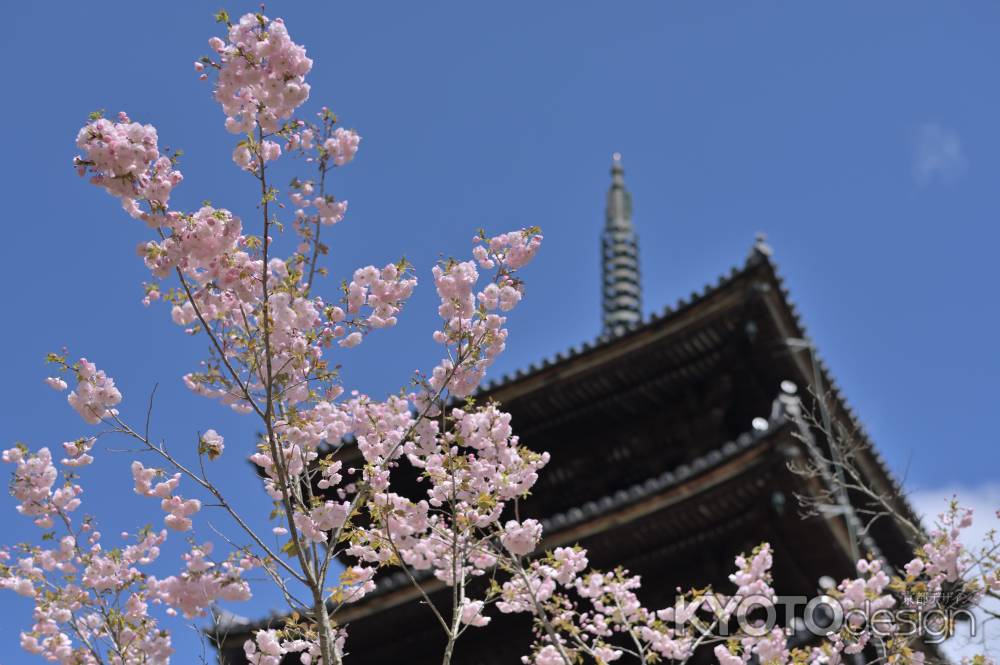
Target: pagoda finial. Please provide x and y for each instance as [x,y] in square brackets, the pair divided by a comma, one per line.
[618,213]
[760,249]
[622,297]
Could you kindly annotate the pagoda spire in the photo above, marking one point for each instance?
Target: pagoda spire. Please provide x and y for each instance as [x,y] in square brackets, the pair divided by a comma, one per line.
[622,296]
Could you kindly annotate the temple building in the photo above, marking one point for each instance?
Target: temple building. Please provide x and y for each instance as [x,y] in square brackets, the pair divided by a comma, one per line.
[671,436]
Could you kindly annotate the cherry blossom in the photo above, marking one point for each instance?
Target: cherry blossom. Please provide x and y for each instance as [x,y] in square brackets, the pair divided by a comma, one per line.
[261,74]
[95,393]
[342,146]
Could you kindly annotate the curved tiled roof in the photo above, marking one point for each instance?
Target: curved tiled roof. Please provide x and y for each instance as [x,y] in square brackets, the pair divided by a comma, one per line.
[760,256]
[609,338]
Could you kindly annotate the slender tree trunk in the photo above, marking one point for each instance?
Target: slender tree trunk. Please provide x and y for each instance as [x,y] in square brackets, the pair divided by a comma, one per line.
[327,636]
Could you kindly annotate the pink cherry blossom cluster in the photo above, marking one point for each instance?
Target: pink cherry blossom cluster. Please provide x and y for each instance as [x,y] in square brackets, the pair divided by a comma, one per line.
[250,156]
[329,211]
[212,444]
[383,291]
[861,597]
[470,327]
[769,648]
[342,146]
[590,606]
[124,158]
[943,559]
[420,533]
[584,612]
[338,146]
[95,394]
[31,569]
[56,383]
[78,452]
[301,328]
[178,509]
[514,249]
[316,524]
[34,476]
[79,588]
[301,137]
[498,469]
[265,649]
[753,574]
[200,244]
[203,582]
[73,620]
[261,74]
[269,646]
[474,471]
[260,82]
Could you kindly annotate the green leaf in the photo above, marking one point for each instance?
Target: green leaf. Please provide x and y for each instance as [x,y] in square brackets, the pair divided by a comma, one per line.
[55,358]
[291,548]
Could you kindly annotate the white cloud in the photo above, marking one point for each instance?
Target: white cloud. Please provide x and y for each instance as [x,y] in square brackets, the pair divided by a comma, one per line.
[937,154]
[985,501]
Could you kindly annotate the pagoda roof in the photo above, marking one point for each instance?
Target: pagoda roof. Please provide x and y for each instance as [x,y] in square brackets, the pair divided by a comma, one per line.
[758,273]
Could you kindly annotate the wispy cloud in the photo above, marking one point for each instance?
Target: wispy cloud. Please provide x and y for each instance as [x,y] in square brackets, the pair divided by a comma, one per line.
[937,155]
[983,499]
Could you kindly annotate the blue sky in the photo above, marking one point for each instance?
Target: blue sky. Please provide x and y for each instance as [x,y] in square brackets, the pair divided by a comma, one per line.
[861,137]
